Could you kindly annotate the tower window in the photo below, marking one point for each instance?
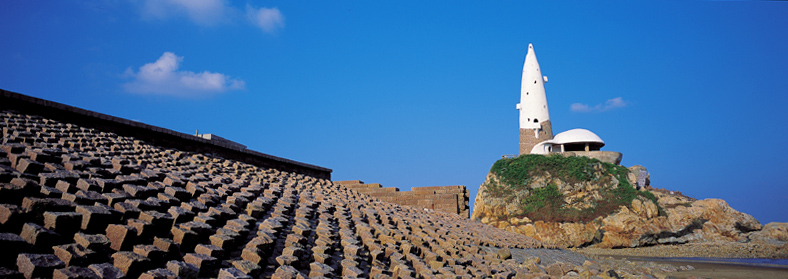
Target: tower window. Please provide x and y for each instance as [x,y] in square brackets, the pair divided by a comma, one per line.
[526,93]
[534,82]
[536,121]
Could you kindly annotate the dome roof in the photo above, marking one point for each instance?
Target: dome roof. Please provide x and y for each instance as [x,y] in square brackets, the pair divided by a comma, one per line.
[577,136]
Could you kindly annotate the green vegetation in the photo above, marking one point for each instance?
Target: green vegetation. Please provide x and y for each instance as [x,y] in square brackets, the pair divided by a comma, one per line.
[542,197]
[515,172]
[547,203]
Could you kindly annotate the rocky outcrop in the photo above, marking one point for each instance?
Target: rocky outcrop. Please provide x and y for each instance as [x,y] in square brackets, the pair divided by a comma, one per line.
[674,219]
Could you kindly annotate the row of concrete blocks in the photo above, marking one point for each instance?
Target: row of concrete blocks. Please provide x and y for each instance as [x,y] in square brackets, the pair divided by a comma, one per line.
[341,233]
[451,199]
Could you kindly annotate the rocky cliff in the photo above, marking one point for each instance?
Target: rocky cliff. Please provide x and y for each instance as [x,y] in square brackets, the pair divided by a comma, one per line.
[581,202]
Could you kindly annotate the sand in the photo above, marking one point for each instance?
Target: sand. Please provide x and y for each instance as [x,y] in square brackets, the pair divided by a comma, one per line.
[710,265]
[718,270]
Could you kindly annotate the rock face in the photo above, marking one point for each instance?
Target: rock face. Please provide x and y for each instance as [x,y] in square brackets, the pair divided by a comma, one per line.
[674,219]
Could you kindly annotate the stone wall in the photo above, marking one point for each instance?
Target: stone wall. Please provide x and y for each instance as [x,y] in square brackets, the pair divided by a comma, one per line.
[604,156]
[152,134]
[451,199]
[528,141]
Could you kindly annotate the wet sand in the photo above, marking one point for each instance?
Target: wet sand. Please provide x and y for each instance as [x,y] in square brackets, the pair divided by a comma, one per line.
[710,268]
[721,270]
[709,260]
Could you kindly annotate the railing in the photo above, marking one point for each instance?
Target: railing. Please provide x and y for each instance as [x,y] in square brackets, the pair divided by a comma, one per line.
[509,156]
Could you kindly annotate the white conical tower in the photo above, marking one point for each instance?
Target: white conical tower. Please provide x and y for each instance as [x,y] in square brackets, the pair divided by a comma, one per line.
[535,124]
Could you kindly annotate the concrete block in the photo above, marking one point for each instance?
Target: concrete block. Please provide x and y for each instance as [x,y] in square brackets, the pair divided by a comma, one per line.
[38,265]
[40,238]
[121,237]
[159,273]
[246,267]
[151,252]
[75,272]
[233,273]
[186,239]
[210,250]
[130,263]
[206,264]
[287,272]
[95,242]
[95,218]
[167,245]
[75,254]
[183,270]
[25,165]
[12,244]
[64,223]
[12,217]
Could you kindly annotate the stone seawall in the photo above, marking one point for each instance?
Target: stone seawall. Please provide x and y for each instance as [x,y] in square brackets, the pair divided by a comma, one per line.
[450,199]
[604,156]
[78,202]
[152,134]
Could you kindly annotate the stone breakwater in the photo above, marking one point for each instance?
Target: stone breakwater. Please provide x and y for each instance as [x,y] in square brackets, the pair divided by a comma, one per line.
[451,199]
[78,202]
[158,136]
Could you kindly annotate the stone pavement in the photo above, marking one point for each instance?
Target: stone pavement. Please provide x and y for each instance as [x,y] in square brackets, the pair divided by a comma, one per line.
[81,203]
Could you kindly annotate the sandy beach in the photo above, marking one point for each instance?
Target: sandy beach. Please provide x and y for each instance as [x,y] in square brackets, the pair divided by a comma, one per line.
[705,269]
[702,260]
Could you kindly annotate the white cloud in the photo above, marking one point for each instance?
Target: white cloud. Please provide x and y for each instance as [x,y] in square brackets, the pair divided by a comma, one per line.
[608,105]
[201,12]
[267,19]
[212,12]
[163,77]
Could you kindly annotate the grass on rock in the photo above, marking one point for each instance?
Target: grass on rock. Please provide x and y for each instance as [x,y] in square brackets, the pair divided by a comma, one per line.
[548,203]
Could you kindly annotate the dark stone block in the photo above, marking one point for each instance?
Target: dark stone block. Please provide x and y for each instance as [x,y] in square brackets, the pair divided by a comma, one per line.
[130,263]
[36,207]
[151,252]
[95,218]
[161,221]
[12,217]
[206,264]
[128,210]
[107,271]
[26,165]
[64,223]
[75,272]
[75,254]
[12,244]
[159,273]
[121,237]
[8,273]
[38,265]
[41,238]
[183,269]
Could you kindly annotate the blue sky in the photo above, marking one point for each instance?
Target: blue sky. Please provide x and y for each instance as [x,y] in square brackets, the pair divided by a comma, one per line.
[423,93]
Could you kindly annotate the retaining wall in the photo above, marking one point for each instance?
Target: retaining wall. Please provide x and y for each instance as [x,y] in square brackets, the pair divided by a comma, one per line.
[451,199]
[152,134]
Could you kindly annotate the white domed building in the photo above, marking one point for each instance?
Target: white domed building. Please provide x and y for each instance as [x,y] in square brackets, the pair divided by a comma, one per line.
[536,135]
[577,142]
